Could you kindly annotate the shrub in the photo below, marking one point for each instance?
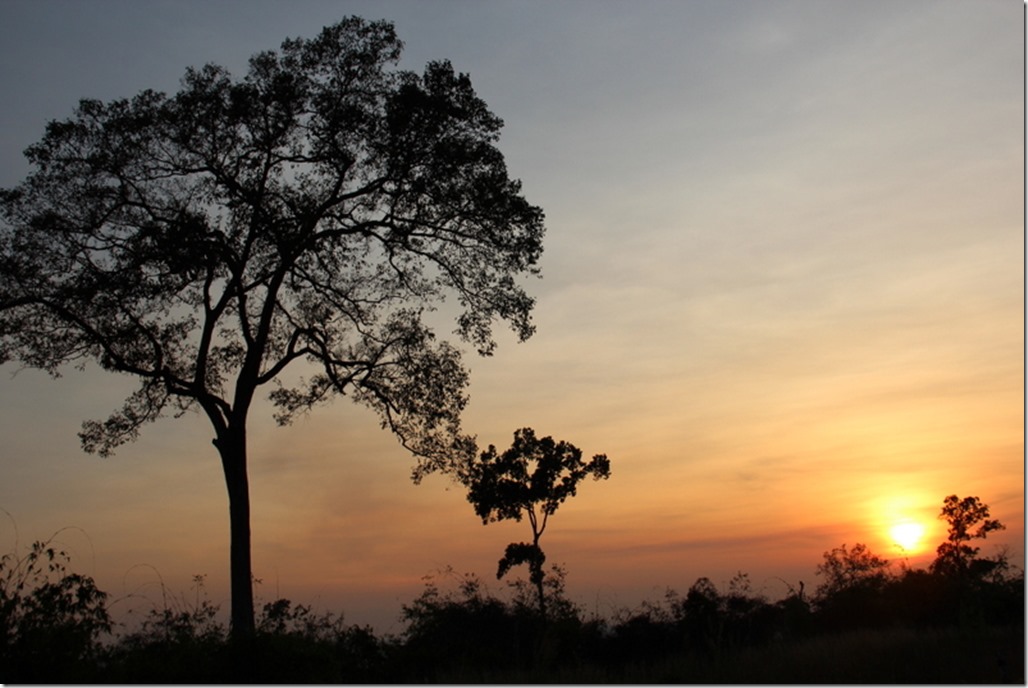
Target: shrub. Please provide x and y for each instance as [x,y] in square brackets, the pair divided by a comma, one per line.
[51,621]
[177,642]
[296,645]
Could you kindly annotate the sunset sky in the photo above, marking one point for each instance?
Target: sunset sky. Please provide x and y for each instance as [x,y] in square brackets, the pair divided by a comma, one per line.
[783,290]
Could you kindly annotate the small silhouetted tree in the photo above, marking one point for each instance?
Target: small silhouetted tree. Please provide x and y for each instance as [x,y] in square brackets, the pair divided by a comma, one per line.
[532,478]
[851,594]
[851,569]
[968,519]
[702,616]
[311,211]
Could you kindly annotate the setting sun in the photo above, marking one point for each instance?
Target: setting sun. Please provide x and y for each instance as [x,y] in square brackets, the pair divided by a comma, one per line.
[907,535]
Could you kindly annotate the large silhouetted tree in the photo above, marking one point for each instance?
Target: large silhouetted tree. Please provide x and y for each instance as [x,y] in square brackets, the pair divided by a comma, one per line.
[311,211]
[968,519]
[531,479]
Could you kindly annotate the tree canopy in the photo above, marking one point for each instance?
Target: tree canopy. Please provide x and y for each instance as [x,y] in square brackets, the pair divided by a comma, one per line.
[314,210]
[968,519]
[853,569]
[532,478]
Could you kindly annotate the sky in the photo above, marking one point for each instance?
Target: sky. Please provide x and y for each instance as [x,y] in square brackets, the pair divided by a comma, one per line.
[783,290]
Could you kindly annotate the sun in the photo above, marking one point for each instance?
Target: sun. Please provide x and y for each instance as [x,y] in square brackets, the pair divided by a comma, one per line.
[907,535]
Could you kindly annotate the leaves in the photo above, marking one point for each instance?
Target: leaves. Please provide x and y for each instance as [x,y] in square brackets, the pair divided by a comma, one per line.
[850,569]
[50,619]
[522,553]
[955,557]
[315,209]
[534,477]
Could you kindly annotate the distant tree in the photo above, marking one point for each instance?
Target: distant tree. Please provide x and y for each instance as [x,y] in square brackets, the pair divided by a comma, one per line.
[712,621]
[845,569]
[851,594]
[532,478]
[312,211]
[702,616]
[968,519]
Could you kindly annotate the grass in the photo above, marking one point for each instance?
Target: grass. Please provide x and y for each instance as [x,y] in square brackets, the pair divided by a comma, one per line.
[988,655]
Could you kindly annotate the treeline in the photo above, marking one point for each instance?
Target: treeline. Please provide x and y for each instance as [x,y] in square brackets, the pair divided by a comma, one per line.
[964,613]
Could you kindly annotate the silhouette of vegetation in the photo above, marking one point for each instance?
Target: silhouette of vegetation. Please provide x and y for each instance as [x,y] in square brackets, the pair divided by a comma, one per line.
[913,626]
[845,570]
[179,641]
[853,582]
[955,556]
[459,630]
[51,620]
[314,210]
[532,478]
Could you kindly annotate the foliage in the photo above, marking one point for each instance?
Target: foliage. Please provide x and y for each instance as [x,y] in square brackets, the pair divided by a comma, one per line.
[464,631]
[713,622]
[51,620]
[968,519]
[316,209]
[281,617]
[178,621]
[183,643]
[644,634]
[525,596]
[850,595]
[294,641]
[455,630]
[917,626]
[532,478]
[851,569]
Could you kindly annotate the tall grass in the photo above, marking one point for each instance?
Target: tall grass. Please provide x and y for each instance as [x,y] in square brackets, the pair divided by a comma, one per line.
[990,655]
[902,655]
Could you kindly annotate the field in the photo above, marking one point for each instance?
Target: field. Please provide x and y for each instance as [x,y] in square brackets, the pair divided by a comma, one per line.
[945,656]
[988,655]
[914,626]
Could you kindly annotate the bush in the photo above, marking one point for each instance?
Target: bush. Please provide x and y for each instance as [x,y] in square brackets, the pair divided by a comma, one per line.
[51,621]
[296,645]
[177,642]
[467,633]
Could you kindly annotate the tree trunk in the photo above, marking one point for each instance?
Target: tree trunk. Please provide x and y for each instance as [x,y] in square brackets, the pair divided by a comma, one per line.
[536,573]
[232,447]
[538,576]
